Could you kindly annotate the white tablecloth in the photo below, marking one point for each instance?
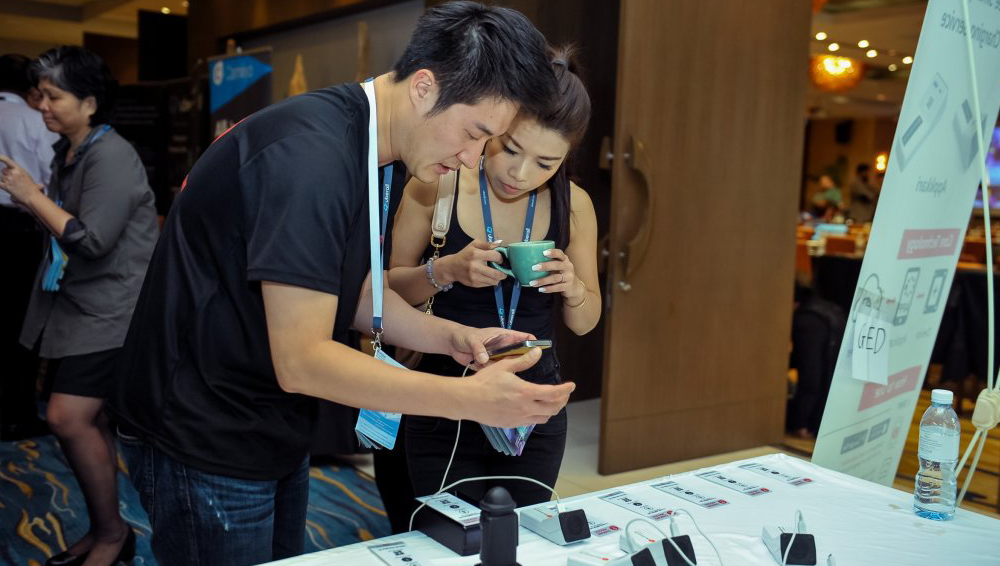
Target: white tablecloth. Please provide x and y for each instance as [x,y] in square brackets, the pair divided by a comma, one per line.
[858,522]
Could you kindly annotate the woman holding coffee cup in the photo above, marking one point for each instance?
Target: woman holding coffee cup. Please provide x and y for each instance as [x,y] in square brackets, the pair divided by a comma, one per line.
[518,203]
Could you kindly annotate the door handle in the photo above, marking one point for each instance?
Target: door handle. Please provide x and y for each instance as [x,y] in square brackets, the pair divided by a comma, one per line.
[636,158]
[606,155]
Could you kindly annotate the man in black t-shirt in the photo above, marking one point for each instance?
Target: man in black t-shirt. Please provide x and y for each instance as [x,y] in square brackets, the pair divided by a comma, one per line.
[265,257]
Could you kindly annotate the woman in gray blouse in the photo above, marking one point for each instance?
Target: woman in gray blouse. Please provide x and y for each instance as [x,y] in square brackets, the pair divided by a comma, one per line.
[102,223]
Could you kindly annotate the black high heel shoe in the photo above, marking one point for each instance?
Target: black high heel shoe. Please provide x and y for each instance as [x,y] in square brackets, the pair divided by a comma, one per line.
[67,559]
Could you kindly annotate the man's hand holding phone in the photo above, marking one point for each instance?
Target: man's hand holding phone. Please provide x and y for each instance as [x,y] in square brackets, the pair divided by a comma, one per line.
[494,395]
[498,397]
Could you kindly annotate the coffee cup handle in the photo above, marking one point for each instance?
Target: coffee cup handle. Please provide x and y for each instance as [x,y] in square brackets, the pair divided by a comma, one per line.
[498,267]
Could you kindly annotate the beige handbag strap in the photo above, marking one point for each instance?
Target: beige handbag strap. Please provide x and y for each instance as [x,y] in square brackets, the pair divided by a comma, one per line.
[441,220]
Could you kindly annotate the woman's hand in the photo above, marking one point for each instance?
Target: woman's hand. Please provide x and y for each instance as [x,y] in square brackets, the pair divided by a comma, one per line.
[561,278]
[469,266]
[16,181]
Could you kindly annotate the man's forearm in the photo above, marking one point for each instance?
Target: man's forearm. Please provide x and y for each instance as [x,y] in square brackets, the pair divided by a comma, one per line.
[406,326]
[335,372]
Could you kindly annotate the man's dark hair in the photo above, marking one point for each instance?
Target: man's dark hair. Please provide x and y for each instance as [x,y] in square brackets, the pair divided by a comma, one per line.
[14,73]
[81,72]
[478,52]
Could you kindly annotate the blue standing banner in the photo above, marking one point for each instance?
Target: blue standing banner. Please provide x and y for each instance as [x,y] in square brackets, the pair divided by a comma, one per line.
[239,85]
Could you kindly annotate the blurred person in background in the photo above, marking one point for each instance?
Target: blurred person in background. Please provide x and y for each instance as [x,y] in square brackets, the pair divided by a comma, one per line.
[827,202]
[26,140]
[864,196]
[101,222]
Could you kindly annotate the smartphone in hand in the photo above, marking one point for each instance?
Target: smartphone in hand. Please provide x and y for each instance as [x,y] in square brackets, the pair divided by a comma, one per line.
[518,348]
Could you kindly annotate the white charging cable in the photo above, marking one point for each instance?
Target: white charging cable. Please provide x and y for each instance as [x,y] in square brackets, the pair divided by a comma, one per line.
[987,412]
[697,528]
[454,447]
[482,478]
[674,532]
[800,525]
[447,468]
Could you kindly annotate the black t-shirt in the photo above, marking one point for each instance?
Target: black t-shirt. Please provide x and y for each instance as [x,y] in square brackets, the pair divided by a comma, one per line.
[281,197]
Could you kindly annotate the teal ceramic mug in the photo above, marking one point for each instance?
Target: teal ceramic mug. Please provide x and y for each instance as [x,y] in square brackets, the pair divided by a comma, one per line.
[522,256]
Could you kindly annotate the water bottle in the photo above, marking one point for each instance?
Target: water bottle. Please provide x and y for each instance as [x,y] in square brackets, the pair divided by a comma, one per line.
[937,480]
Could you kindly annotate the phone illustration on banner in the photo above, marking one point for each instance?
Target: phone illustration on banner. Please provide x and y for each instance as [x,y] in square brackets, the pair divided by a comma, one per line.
[868,297]
[906,296]
[937,289]
[964,127]
[928,113]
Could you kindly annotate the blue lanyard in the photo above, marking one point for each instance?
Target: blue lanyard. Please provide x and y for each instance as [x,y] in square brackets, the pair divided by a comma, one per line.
[376,230]
[529,219]
[92,137]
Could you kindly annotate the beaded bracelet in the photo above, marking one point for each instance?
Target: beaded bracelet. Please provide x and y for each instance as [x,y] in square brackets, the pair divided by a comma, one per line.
[430,276]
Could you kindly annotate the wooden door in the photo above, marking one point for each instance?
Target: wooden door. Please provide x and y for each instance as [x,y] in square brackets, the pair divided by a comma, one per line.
[708,144]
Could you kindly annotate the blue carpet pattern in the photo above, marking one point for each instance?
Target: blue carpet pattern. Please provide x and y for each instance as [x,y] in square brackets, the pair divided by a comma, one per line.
[42,509]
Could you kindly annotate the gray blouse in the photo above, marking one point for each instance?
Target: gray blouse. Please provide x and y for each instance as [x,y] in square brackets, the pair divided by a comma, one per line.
[108,244]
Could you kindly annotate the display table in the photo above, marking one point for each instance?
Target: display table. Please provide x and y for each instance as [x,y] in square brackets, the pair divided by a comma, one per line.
[858,522]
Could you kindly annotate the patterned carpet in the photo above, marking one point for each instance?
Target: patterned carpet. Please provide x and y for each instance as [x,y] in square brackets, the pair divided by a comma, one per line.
[42,509]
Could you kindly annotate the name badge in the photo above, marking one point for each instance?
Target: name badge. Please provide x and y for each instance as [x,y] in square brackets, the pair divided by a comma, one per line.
[377,429]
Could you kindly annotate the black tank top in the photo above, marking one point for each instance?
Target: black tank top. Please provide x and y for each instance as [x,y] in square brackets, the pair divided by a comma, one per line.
[477,307]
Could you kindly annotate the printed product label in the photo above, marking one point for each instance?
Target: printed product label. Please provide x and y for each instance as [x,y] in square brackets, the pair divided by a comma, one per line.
[462,512]
[394,554]
[687,493]
[938,444]
[628,501]
[771,472]
[725,480]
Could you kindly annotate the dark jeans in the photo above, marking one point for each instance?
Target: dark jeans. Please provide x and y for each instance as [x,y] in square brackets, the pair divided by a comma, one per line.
[429,441]
[202,519]
[22,253]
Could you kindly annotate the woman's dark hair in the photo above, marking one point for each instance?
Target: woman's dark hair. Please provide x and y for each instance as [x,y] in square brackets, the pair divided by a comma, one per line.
[568,113]
[81,72]
[478,52]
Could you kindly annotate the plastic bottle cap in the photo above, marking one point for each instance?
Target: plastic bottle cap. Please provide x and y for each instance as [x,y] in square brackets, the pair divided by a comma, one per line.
[942,396]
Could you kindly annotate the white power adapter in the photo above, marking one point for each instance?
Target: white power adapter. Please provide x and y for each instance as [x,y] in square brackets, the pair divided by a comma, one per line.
[646,548]
[796,548]
[556,524]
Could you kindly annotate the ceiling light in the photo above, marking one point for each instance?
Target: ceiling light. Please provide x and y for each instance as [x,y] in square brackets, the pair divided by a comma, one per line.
[871,53]
[863,43]
[892,67]
[821,36]
[186,4]
[833,46]
[834,73]
[907,60]
[165,10]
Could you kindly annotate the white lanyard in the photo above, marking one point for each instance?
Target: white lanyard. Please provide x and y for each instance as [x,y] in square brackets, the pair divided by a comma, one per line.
[376,231]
